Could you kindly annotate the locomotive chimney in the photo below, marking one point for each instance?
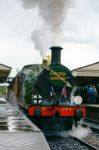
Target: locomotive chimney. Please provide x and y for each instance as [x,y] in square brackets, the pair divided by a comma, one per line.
[56,55]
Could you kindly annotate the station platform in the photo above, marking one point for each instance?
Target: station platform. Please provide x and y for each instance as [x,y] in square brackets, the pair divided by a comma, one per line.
[92,105]
[17,132]
[92,112]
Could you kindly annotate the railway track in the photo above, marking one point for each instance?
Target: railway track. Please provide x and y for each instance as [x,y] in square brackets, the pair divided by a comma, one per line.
[90,123]
[93,138]
[71,141]
[92,141]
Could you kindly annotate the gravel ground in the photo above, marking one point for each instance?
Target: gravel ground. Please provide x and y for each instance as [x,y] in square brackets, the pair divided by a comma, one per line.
[68,143]
[93,139]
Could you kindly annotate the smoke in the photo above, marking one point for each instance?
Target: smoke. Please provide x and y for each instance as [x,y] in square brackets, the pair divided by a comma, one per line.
[51,10]
[43,40]
[80,132]
[53,13]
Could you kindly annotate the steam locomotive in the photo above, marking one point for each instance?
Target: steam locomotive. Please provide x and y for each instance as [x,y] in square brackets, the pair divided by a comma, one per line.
[46,93]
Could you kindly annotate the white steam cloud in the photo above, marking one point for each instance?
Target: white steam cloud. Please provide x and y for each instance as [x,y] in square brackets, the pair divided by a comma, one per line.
[43,39]
[53,13]
[80,132]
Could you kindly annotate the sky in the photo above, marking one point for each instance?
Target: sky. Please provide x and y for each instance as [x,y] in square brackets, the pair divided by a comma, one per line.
[26,30]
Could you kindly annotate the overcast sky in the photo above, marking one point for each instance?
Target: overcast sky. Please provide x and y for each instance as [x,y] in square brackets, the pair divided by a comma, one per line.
[80,30]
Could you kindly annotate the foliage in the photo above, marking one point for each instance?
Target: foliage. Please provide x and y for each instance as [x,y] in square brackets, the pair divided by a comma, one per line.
[3,90]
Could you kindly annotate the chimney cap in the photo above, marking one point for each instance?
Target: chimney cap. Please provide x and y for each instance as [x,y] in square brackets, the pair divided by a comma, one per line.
[56,47]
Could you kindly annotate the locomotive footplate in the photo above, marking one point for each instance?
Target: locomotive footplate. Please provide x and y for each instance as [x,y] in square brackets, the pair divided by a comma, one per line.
[46,111]
[56,118]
